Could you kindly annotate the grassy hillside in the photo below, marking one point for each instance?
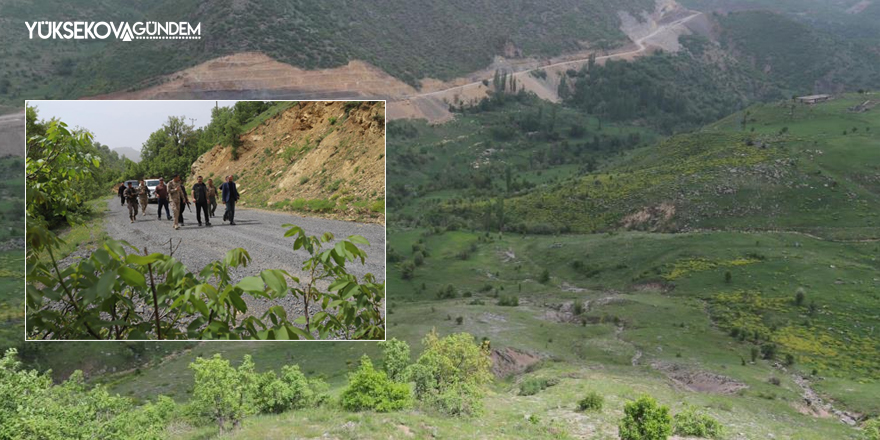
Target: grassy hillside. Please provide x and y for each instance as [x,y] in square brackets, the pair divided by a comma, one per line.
[409,40]
[791,166]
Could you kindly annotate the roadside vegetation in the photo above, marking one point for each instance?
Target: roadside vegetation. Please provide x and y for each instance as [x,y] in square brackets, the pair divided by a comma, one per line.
[102,295]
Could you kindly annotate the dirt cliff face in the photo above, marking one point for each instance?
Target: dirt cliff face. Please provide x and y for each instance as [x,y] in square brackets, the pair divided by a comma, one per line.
[315,158]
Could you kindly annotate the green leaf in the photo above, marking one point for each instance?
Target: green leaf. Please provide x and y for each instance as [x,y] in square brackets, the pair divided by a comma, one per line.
[275,280]
[300,332]
[251,284]
[357,239]
[101,256]
[200,306]
[143,260]
[239,304]
[132,277]
[338,284]
[105,284]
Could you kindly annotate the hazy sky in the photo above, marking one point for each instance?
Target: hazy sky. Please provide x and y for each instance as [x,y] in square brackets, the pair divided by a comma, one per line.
[124,123]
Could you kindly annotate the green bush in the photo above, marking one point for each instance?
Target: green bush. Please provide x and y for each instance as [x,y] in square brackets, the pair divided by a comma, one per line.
[508,301]
[451,372]
[370,389]
[222,393]
[535,385]
[691,422]
[871,429]
[593,401]
[395,359]
[290,391]
[644,419]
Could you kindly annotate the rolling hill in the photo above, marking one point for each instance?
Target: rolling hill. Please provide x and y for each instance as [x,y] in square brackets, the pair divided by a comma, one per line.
[129,153]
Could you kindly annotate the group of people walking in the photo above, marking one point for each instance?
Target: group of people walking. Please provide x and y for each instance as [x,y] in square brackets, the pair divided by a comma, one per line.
[173,194]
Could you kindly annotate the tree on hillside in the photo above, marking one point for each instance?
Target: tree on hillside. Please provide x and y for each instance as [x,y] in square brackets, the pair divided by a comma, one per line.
[395,358]
[231,136]
[222,393]
[451,372]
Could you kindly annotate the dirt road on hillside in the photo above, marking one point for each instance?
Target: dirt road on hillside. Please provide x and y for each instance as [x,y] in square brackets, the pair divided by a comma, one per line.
[640,47]
[258,232]
[12,135]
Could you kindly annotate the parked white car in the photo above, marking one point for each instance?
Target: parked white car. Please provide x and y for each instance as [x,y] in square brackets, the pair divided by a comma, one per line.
[151,187]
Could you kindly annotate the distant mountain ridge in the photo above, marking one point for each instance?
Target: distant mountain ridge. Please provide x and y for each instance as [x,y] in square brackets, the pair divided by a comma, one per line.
[129,153]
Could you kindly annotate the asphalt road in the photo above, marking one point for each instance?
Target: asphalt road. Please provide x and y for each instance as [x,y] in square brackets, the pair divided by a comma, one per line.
[258,232]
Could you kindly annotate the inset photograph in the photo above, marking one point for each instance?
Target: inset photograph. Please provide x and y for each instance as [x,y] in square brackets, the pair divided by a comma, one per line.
[205,220]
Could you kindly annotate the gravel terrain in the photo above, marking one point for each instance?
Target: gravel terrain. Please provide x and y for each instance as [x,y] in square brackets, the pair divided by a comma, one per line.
[258,232]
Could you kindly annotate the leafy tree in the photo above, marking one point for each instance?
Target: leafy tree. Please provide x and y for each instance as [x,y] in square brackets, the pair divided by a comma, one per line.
[56,159]
[292,390]
[231,138]
[395,359]
[222,393]
[644,419]
[31,406]
[371,389]
[694,423]
[451,372]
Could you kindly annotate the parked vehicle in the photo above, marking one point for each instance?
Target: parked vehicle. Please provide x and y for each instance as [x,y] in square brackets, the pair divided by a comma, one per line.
[152,183]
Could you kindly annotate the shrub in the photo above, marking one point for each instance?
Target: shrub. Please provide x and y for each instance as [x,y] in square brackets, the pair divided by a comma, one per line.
[644,419]
[407,270]
[451,372]
[290,391]
[508,301]
[593,401]
[545,277]
[369,389]
[447,292]
[222,393]
[768,351]
[691,422]
[534,385]
[871,429]
[395,359]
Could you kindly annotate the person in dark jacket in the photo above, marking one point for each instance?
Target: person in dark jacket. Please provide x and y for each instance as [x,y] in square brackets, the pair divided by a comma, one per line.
[162,198]
[230,196]
[122,193]
[200,197]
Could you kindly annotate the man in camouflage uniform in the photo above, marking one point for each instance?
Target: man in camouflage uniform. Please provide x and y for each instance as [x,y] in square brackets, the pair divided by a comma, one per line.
[212,197]
[177,197]
[143,196]
[130,195]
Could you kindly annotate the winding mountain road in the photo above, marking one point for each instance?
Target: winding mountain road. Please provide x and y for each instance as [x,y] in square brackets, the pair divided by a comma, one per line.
[640,43]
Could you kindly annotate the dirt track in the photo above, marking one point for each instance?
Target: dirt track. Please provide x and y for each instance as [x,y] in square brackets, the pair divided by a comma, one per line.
[12,135]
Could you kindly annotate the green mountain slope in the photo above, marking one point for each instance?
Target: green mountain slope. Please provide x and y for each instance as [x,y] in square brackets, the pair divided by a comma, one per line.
[791,166]
[410,40]
[801,57]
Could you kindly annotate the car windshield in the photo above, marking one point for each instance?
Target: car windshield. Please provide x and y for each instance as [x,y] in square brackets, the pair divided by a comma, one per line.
[152,183]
